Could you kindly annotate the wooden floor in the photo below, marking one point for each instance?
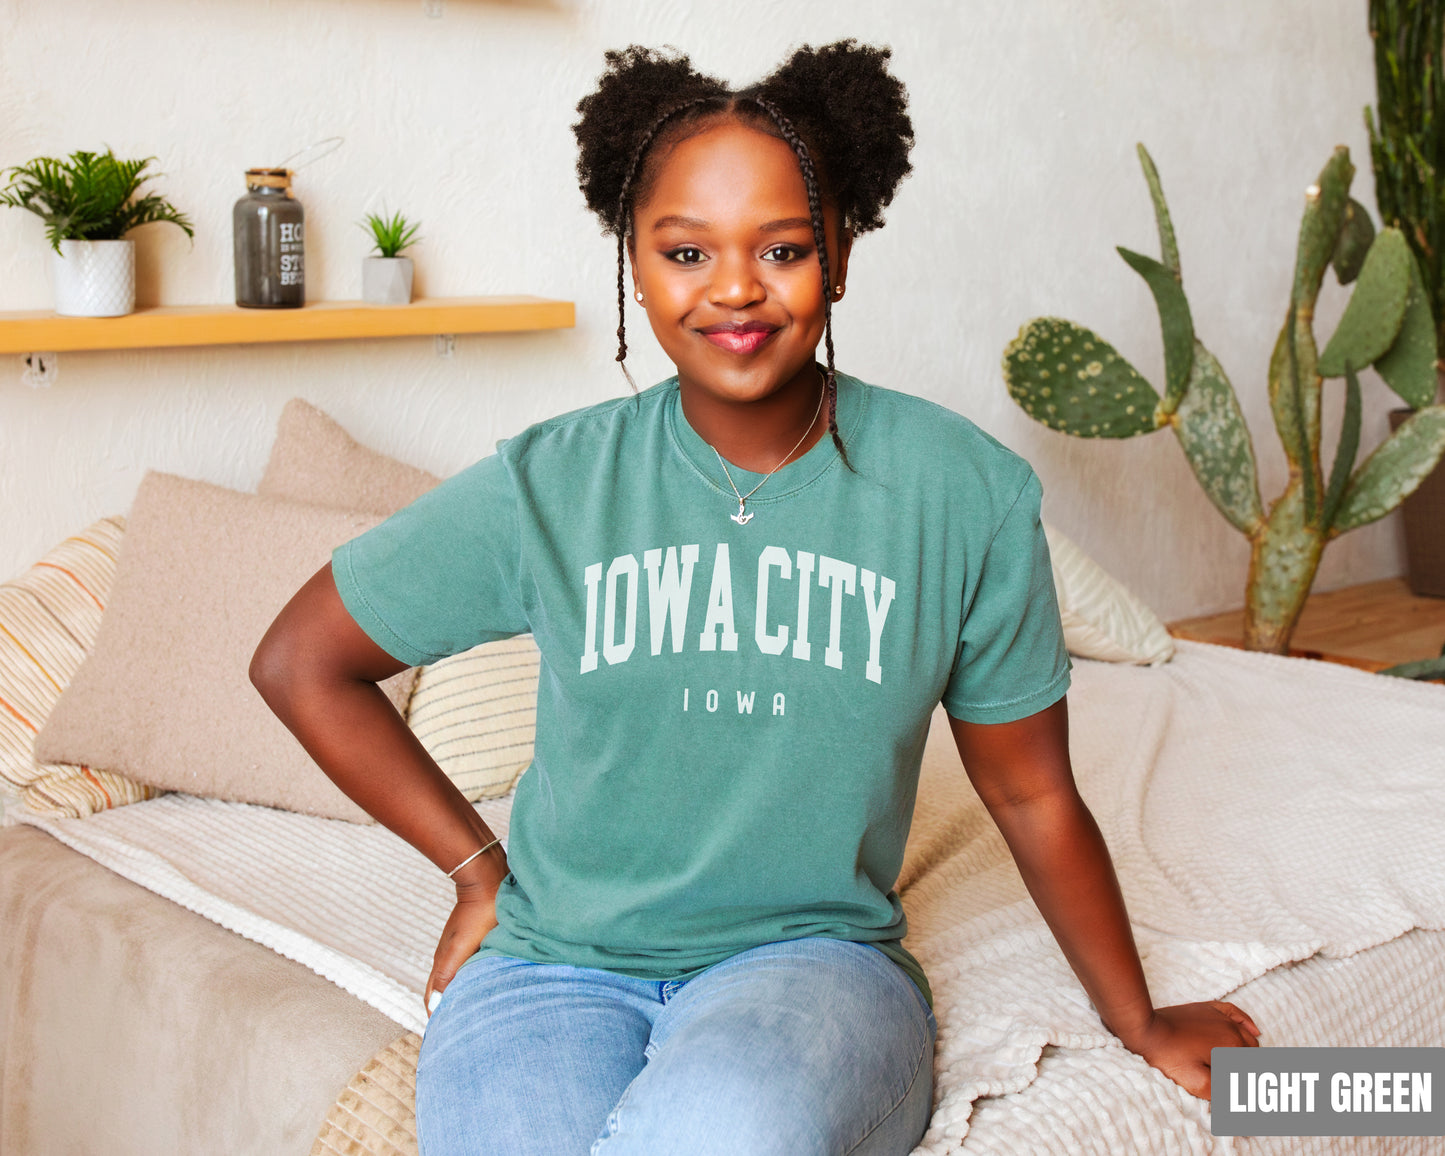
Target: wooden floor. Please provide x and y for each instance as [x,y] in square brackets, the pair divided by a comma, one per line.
[1374,625]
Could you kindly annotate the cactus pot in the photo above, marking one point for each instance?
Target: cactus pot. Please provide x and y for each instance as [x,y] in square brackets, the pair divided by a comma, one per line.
[1424,514]
[94,278]
[386,280]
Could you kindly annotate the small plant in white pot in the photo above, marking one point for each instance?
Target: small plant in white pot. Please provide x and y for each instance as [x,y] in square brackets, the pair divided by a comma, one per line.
[386,279]
[89,202]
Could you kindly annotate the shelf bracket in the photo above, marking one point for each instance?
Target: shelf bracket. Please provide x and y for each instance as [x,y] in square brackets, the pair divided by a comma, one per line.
[39,370]
[445,344]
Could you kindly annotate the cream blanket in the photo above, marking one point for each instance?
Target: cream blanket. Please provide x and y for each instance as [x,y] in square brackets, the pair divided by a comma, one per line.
[1259,810]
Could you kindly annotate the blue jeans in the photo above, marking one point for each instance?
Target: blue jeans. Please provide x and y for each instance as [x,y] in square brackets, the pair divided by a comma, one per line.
[807,1046]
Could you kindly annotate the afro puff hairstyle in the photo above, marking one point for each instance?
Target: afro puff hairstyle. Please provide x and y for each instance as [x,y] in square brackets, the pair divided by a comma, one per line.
[838,107]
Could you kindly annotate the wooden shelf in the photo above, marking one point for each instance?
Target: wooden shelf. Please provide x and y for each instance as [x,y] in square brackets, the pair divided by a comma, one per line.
[1373,625]
[172,325]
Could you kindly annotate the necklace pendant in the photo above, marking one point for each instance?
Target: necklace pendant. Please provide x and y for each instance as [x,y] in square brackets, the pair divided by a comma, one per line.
[742,517]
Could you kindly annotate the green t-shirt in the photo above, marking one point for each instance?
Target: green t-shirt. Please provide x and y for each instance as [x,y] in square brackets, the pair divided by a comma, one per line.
[730,718]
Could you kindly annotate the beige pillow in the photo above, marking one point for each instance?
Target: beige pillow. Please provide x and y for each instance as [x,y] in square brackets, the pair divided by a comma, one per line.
[475,712]
[314,460]
[49,617]
[165,698]
[1102,618]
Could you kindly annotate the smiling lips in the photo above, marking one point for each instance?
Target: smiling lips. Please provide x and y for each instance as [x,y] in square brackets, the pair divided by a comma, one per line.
[739,337]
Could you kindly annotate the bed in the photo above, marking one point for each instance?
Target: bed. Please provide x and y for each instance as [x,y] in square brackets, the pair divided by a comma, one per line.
[176,974]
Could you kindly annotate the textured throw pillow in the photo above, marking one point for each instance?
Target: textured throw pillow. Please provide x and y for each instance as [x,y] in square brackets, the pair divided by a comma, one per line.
[165,697]
[49,617]
[314,460]
[1102,619]
[474,712]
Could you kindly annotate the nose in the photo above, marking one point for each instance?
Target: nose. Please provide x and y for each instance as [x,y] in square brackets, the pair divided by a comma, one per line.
[735,283]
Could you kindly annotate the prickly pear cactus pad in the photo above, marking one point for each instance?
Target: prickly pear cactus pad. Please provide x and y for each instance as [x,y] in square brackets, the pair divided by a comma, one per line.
[1409,367]
[1072,380]
[1211,429]
[1376,308]
[1356,235]
[1174,320]
[1391,473]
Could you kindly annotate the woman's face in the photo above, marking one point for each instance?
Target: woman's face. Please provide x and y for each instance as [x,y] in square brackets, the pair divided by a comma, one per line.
[723,253]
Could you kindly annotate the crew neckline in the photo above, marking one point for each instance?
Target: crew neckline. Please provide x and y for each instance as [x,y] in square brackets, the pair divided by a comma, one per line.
[796,475]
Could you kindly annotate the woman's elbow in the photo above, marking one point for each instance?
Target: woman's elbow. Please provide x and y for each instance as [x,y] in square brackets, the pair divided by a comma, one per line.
[315,647]
[273,666]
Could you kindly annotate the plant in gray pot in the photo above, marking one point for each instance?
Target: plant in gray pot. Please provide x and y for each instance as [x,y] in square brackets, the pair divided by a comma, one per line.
[89,202]
[386,278]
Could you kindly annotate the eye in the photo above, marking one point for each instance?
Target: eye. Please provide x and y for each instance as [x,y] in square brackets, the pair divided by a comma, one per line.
[783,253]
[687,255]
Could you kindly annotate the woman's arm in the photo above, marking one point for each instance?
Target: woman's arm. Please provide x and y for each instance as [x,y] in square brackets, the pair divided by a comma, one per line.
[318,670]
[1022,773]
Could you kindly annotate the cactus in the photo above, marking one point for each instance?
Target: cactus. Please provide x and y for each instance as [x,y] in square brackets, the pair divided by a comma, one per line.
[1072,380]
[1407,135]
[1426,670]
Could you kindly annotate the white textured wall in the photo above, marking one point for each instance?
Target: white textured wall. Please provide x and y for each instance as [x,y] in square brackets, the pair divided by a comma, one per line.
[1026,116]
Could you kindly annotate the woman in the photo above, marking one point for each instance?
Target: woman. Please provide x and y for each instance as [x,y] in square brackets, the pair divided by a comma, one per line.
[750,586]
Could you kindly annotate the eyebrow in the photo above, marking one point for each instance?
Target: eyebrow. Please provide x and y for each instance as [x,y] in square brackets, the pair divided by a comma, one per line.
[778,226]
[788,223]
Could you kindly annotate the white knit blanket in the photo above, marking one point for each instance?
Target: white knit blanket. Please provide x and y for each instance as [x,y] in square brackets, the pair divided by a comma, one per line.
[1259,810]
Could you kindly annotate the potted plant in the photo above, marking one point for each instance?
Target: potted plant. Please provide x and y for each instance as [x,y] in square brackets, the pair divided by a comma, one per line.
[386,279]
[1072,380]
[89,202]
[1407,148]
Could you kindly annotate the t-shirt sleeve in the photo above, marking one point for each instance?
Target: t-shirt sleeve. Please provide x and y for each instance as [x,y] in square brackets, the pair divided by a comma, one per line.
[442,574]
[1011,658]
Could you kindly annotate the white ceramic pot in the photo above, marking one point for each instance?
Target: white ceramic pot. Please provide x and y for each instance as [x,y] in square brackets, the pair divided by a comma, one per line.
[94,278]
[386,280]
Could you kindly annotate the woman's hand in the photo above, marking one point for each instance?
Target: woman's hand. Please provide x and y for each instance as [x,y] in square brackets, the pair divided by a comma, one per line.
[474,915]
[466,927]
[1177,1040]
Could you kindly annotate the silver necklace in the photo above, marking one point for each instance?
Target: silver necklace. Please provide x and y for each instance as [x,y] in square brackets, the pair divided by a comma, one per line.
[741,518]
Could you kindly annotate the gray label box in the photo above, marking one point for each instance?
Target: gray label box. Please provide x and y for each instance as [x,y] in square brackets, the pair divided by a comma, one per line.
[1326,1092]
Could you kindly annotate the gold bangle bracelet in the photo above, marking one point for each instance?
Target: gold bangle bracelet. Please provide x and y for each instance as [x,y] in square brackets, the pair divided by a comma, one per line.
[472,856]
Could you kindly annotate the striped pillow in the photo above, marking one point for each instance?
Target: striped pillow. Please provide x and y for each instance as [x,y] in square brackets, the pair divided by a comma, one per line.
[49,617]
[476,714]
[1103,619]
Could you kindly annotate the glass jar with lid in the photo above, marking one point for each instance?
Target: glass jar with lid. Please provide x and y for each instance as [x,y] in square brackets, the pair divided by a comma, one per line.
[269,227]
